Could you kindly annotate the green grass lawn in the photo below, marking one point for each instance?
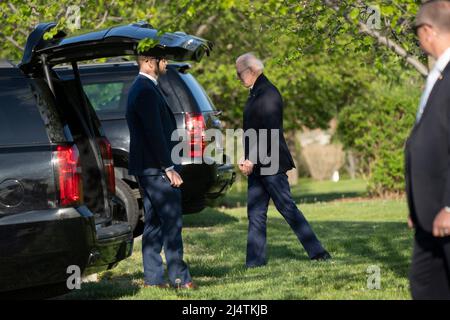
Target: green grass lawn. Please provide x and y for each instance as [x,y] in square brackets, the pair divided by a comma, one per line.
[306,191]
[358,234]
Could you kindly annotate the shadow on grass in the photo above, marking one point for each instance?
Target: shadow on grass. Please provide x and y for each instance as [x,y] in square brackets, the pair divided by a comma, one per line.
[239,199]
[209,217]
[326,197]
[218,257]
[108,288]
[379,243]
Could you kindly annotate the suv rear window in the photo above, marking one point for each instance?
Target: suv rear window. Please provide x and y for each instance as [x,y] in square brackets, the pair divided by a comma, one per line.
[20,121]
[107,97]
[199,94]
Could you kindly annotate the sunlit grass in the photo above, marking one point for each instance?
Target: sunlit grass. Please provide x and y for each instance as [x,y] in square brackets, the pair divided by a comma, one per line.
[358,235]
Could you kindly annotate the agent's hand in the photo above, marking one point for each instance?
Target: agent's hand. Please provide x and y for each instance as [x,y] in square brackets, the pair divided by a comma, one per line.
[410,223]
[441,224]
[174,178]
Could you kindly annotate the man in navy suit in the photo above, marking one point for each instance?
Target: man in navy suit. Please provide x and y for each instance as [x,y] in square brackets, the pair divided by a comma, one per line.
[427,161]
[264,111]
[151,124]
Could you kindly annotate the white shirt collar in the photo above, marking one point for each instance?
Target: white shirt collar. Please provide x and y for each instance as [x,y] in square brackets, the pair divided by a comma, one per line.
[432,78]
[443,61]
[149,77]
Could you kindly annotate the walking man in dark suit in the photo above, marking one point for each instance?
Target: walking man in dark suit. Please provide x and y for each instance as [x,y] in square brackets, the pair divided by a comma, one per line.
[151,124]
[427,161]
[264,110]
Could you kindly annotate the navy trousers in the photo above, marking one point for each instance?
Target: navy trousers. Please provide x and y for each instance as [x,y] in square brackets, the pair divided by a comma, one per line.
[163,223]
[430,269]
[260,190]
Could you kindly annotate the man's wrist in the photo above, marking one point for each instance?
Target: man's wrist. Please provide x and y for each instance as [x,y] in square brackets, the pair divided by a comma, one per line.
[169,169]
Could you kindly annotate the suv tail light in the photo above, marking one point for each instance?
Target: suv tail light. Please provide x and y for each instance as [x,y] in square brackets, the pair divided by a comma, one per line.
[68,167]
[195,126]
[108,163]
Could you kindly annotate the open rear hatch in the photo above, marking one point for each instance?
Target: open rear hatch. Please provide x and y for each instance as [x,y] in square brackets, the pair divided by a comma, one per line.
[111,42]
[114,240]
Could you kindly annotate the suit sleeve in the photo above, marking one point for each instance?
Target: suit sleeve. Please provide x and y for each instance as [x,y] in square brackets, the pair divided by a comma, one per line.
[150,114]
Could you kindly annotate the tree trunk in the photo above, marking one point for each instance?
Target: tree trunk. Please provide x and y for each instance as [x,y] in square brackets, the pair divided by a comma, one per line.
[351,165]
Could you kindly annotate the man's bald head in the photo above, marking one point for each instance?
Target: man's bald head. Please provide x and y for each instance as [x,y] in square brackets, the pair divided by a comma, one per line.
[435,13]
[249,60]
[248,69]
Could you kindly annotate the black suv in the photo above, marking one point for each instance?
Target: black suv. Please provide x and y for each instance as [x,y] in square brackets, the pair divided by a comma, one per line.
[58,207]
[107,87]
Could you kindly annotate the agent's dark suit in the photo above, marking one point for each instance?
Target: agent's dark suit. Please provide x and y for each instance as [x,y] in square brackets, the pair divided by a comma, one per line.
[151,123]
[427,175]
[264,110]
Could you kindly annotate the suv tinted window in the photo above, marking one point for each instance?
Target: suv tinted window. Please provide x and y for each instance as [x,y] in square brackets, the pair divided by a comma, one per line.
[110,97]
[200,96]
[175,92]
[107,96]
[20,121]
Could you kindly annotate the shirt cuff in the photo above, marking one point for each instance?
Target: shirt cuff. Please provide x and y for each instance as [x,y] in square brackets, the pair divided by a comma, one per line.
[169,168]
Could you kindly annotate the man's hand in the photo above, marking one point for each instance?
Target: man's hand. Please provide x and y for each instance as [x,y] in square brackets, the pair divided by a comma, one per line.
[242,167]
[246,167]
[174,178]
[410,223]
[441,224]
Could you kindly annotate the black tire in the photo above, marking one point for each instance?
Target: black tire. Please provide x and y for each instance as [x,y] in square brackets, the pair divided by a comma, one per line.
[125,193]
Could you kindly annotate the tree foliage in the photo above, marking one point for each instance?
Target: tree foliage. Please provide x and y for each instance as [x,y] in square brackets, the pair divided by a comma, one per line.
[329,58]
[314,50]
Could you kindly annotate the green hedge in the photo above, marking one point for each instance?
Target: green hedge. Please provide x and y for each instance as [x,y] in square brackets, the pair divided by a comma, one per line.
[376,126]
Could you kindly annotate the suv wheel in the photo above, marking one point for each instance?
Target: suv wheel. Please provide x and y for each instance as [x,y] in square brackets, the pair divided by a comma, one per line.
[125,193]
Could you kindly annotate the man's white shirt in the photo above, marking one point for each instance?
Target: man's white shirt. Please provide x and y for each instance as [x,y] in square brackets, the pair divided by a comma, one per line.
[432,78]
[150,77]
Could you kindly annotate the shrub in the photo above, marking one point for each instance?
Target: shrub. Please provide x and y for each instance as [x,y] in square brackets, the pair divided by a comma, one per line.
[376,126]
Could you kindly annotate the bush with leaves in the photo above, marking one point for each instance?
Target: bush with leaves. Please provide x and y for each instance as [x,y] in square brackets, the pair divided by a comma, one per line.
[376,126]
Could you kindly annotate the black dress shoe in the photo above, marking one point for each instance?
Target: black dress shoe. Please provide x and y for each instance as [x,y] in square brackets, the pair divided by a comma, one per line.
[323,256]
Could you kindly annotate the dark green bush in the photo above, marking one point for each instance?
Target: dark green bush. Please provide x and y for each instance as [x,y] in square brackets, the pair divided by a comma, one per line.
[376,126]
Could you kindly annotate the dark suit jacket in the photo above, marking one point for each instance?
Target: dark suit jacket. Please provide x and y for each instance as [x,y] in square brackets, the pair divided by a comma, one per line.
[264,110]
[427,157]
[151,124]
